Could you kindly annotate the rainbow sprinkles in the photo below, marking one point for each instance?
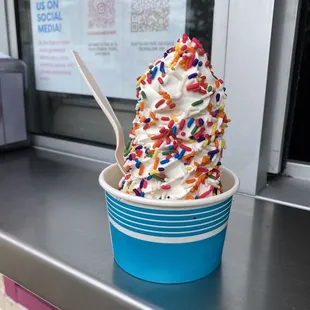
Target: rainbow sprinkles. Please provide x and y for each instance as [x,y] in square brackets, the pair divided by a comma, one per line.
[176,143]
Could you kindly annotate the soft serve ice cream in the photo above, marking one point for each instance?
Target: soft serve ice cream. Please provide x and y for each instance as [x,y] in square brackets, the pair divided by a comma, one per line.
[176,142]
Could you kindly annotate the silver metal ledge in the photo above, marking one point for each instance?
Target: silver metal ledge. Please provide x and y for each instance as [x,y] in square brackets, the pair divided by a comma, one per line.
[54,240]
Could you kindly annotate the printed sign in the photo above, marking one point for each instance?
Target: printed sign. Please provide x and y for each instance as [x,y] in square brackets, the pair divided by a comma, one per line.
[115,38]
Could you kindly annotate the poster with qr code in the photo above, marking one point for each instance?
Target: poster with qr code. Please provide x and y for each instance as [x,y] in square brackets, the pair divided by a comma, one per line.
[115,38]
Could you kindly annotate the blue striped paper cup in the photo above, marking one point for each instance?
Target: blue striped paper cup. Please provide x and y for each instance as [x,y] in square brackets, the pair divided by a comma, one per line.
[167,241]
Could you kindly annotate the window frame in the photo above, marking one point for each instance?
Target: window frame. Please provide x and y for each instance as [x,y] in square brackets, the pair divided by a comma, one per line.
[228,22]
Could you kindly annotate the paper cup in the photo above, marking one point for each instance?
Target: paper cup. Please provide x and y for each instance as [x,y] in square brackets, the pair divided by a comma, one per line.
[167,241]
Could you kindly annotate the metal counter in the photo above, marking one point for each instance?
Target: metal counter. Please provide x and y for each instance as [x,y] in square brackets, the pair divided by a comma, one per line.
[54,240]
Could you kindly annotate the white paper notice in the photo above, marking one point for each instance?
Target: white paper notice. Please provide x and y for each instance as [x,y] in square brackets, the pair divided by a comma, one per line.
[115,38]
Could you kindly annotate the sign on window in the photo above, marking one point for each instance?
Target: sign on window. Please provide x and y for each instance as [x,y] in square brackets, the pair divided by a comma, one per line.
[116,39]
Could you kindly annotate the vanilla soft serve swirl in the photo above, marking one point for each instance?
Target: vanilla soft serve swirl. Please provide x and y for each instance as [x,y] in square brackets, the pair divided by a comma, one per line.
[176,143]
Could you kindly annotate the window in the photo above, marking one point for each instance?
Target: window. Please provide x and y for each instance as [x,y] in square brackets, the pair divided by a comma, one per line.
[60,106]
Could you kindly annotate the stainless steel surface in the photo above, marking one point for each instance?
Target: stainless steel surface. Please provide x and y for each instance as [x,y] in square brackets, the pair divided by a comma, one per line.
[287,191]
[298,170]
[55,241]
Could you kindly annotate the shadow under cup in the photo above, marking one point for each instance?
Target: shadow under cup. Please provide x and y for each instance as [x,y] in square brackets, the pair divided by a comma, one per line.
[167,241]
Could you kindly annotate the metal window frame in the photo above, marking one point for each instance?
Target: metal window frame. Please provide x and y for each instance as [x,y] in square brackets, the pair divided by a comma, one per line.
[74,149]
[219,36]
[235,21]
[219,41]
[284,36]
[297,170]
[11,28]
[246,72]
[4,38]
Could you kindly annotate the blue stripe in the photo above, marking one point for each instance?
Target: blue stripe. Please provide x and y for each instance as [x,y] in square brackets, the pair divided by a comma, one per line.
[168,212]
[143,212]
[171,220]
[164,234]
[137,225]
[197,214]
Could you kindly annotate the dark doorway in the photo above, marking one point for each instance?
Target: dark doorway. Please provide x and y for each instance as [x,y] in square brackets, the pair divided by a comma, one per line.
[299,115]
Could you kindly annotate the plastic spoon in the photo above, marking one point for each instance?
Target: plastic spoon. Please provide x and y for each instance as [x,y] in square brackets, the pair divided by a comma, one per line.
[105,107]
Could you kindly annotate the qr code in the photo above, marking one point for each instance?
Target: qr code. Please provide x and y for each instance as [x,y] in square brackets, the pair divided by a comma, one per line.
[149,15]
[101,13]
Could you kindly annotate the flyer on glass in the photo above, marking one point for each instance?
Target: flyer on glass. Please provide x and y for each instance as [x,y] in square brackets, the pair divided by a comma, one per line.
[115,38]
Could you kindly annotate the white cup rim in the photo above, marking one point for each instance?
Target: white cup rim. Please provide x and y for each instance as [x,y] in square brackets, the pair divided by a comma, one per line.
[166,204]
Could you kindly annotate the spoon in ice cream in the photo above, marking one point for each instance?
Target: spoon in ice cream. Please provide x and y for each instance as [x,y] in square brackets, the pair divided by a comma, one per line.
[105,107]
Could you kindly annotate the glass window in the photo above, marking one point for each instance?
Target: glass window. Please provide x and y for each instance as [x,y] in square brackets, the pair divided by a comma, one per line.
[115,38]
